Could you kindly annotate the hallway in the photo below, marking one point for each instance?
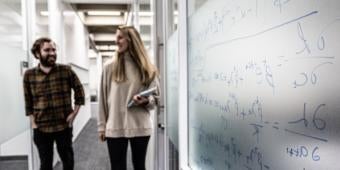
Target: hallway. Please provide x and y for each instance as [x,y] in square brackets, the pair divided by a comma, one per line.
[89,153]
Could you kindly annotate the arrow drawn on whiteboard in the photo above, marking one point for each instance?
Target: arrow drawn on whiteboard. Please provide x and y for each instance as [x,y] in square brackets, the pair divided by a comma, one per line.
[262,32]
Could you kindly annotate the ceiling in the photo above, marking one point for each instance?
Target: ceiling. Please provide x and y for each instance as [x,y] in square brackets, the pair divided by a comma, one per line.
[102,18]
[100,1]
[102,28]
[102,25]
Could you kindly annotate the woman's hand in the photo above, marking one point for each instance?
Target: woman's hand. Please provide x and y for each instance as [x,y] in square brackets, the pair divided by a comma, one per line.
[102,136]
[140,100]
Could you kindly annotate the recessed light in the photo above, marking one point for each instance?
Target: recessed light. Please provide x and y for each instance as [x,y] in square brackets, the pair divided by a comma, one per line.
[104,13]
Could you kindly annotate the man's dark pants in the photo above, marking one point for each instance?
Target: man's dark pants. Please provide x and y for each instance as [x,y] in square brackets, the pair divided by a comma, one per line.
[44,142]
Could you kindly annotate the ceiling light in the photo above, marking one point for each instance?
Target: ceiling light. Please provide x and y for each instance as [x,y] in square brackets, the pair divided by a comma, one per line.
[104,13]
[44,13]
[102,47]
[107,53]
[65,13]
[145,14]
[68,13]
[113,47]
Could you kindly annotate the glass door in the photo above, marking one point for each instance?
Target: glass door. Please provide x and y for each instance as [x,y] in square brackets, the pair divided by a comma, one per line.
[15,143]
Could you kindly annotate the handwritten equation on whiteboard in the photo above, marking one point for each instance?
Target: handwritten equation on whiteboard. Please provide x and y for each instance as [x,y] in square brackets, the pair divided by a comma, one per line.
[263,85]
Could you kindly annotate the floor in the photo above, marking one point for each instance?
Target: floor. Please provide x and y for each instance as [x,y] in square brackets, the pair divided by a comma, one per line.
[14,163]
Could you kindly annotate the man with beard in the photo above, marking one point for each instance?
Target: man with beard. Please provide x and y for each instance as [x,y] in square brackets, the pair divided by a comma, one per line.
[47,89]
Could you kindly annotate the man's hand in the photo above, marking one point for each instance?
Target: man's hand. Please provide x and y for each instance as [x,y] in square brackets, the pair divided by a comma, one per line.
[33,124]
[70,118]
[140,100]
[102,136]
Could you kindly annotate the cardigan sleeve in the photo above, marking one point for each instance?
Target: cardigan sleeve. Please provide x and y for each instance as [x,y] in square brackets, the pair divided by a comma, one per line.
[103,105]
[154,98]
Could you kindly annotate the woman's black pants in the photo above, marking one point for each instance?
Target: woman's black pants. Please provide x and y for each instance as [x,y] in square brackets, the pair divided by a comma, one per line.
[118,149]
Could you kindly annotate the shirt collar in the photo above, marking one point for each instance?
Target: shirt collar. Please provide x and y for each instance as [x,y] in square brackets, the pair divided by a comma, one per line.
[38,69]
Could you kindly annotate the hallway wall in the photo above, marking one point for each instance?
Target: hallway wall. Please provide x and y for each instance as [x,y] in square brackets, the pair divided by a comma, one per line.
[76,44]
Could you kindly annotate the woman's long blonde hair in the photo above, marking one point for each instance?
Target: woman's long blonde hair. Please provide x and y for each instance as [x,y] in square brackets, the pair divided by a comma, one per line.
[138,54]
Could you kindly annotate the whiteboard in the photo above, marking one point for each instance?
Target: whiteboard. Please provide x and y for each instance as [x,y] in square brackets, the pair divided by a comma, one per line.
[264,86]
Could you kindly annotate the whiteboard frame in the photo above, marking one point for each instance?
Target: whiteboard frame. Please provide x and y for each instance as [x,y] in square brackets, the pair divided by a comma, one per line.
[183,86]
[165,36]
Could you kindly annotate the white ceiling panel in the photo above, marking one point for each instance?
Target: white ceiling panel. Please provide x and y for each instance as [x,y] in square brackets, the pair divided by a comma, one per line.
[107,20]
[106,1]
[99,1]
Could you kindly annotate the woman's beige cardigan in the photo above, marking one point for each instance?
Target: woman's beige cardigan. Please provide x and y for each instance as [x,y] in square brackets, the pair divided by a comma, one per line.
[115,118]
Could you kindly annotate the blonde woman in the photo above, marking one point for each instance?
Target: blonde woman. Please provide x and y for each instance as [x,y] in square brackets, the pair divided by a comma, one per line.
[123,78]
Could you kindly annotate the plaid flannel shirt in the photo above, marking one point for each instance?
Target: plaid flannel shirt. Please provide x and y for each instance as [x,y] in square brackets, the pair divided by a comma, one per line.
[48,96]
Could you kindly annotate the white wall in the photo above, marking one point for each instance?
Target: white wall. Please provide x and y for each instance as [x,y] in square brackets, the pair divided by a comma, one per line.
[18,145]
[96,65]
[76,41]
[76,44]
[94,76]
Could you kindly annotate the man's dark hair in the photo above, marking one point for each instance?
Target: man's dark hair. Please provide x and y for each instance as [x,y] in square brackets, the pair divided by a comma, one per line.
[38,44]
